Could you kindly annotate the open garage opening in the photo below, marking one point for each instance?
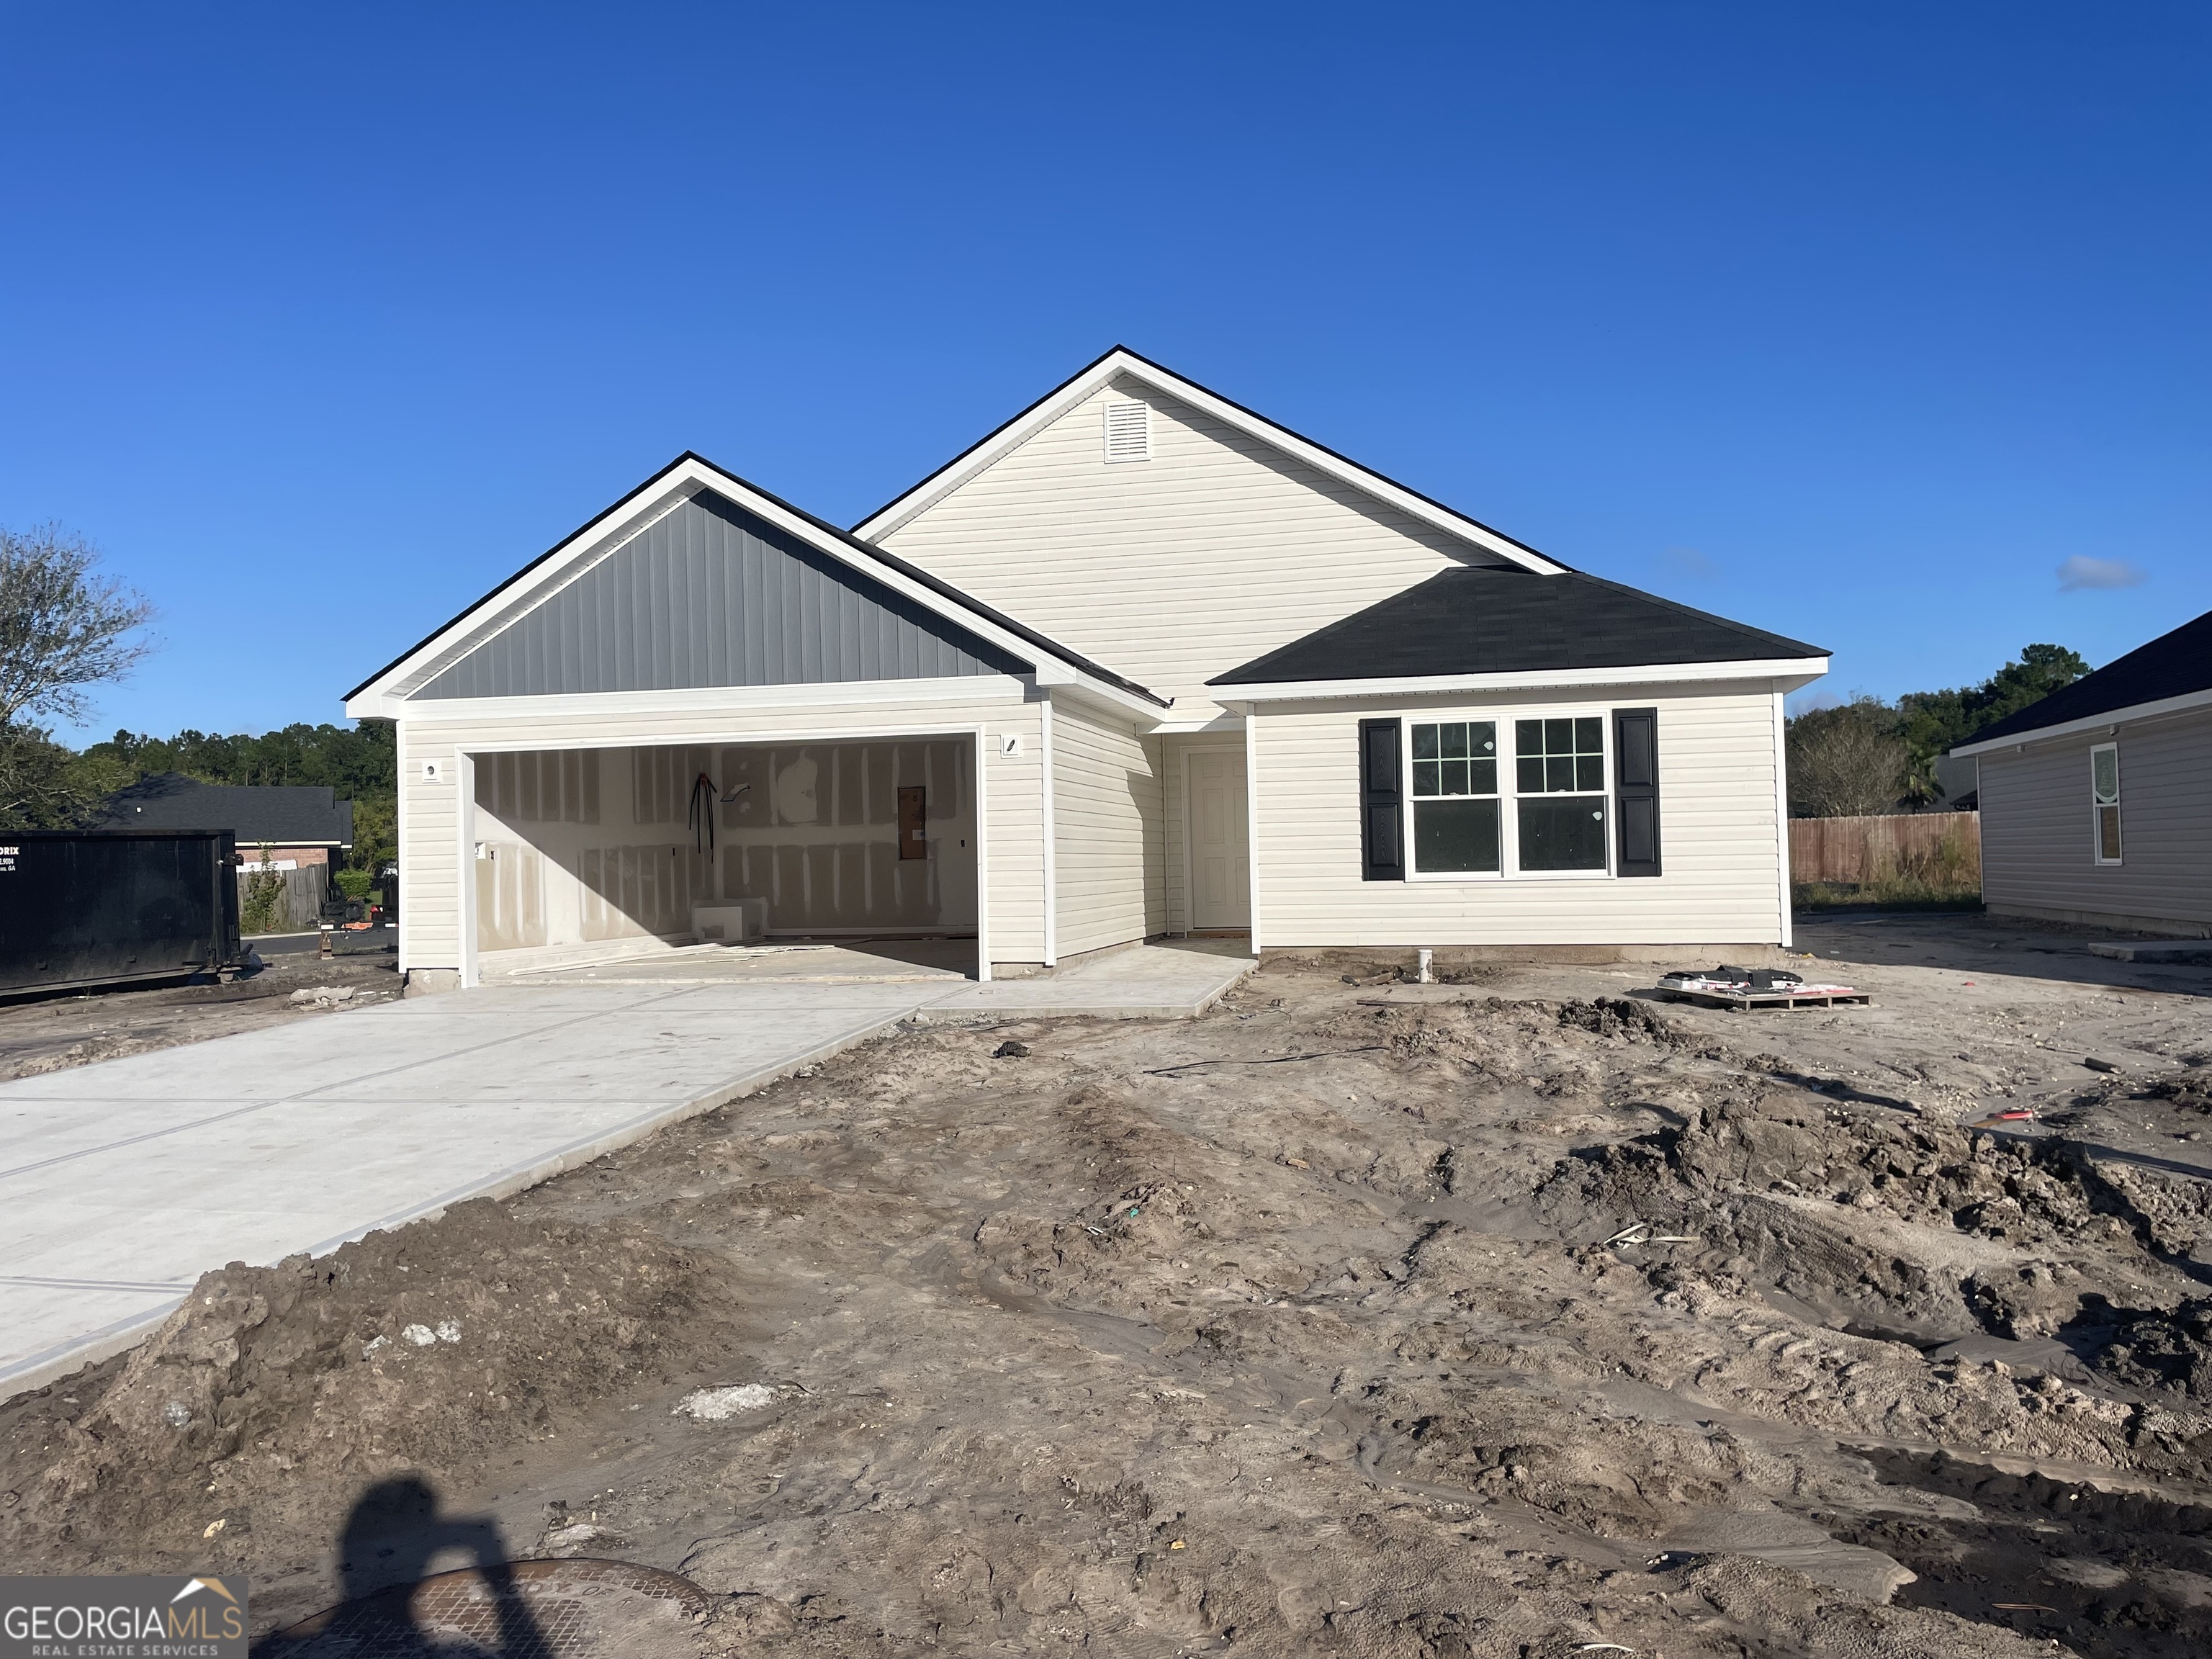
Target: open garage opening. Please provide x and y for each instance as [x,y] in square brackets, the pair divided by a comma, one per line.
[588,854]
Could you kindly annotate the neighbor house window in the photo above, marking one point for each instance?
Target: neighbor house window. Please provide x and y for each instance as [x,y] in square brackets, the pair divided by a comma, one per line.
[1475,812]
[2105,799]
[1455,797]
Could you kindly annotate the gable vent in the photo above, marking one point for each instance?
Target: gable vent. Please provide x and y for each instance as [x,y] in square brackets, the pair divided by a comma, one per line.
[1128,431]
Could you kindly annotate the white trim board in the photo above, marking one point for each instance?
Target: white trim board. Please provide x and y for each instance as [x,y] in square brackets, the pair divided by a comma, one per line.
[2187,703]
[1787,674]
[709,700]
[1123,364]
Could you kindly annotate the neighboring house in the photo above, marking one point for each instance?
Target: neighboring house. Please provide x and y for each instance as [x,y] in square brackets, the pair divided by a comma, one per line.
[298,826]
[2096,801]
[1139,662]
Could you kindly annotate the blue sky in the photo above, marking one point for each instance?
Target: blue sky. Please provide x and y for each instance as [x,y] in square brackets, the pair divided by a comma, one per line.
[1854,323]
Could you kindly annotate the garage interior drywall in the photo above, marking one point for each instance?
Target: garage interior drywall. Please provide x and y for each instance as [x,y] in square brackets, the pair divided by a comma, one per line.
[582,845]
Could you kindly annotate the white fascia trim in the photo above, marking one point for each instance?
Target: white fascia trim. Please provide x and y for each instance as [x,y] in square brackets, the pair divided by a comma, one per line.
[654,738]
[709,700]
[935,488]
[570,561]
[604,537]
[2186,703]
[1786,673]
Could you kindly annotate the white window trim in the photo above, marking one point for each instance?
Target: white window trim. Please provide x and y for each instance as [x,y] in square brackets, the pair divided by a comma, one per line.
[2097,807]
[1509,792]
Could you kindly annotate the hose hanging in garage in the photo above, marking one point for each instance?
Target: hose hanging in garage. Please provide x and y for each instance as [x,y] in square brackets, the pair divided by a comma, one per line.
[701,815]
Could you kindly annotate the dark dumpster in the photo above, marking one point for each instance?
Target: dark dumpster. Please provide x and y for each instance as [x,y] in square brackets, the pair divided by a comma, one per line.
[80,908]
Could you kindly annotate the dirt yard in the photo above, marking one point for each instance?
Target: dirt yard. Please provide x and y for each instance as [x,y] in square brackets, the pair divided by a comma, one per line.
[1519,1315]
[50,1034]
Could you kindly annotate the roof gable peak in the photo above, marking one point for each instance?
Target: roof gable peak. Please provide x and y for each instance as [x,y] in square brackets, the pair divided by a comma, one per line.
[1121,360]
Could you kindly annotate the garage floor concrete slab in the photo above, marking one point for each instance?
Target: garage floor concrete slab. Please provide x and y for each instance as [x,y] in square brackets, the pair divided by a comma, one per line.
[121,1182]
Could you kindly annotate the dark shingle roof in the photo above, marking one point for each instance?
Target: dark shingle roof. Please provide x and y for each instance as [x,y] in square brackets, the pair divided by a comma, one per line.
[288,815]
[1481,620]
[2171,665]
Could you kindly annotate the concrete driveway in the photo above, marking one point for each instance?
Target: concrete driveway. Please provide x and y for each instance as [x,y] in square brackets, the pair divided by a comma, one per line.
[121,1182]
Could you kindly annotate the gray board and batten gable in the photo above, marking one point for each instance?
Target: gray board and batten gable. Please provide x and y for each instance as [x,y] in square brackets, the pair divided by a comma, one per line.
[1479,620]
[710,595]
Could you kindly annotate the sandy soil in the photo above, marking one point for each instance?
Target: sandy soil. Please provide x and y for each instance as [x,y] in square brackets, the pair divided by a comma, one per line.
[51,1033]
[1521,1316]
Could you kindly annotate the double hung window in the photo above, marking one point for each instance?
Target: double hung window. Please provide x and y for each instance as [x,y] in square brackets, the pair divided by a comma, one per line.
[1475,812]
[1455,796]
[1559,766]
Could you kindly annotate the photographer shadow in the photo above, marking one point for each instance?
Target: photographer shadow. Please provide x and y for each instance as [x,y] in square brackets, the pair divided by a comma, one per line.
[396,1608]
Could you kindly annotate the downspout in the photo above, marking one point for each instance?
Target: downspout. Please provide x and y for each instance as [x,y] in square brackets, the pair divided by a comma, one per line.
[1252,815]
[1781,813]
[1051,838]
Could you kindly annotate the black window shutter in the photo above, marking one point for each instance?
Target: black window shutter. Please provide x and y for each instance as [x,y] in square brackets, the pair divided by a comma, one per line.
[1636,789]
[1382,810]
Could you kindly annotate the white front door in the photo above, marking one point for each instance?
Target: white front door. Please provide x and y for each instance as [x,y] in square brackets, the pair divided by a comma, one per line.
[1220,846]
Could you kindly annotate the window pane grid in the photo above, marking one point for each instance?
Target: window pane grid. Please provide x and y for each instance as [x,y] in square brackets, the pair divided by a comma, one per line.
[1559,756]
[1454,757]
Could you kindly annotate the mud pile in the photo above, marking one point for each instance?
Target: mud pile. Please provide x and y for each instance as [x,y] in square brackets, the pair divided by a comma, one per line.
[273,1390]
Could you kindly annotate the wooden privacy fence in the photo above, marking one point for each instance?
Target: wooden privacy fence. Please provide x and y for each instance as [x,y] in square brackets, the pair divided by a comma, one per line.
[1944,848]
[300,907]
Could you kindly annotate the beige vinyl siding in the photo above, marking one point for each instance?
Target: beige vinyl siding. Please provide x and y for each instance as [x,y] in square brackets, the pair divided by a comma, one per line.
[1719,843]
[1109,846]
[429,866]
[1172,570]
[1012,793]
[2038,858]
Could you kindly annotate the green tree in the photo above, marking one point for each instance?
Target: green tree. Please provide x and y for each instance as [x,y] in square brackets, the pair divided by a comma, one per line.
[1932,722]
[38,787]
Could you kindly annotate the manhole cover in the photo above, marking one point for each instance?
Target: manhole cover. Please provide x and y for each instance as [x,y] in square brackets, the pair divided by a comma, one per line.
[529,1610]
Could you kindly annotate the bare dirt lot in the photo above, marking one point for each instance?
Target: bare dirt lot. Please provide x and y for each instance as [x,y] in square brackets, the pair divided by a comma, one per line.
[49,1034]
[1518,1315]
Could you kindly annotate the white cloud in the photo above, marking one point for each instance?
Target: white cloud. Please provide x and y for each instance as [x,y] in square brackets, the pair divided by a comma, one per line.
[2081,571]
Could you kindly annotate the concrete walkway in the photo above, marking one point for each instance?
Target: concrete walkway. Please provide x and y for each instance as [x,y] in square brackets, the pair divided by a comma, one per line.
[121,1182]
